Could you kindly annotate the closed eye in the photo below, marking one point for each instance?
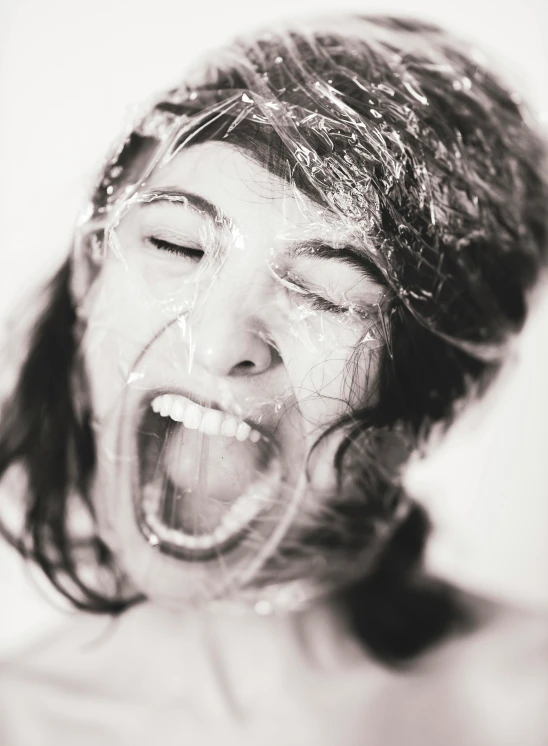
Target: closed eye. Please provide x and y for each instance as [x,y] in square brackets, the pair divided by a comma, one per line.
[320,303]
[172,248]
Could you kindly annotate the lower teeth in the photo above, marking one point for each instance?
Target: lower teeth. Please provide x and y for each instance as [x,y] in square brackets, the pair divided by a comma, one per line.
[238,517]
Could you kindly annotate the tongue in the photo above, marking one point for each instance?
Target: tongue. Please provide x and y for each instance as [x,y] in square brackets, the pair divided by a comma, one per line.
[210,472]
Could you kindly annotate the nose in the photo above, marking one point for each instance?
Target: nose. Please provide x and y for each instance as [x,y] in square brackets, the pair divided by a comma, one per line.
[230,341]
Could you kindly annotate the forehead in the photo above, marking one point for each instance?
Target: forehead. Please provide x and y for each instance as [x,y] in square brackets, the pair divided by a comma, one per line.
[254,200]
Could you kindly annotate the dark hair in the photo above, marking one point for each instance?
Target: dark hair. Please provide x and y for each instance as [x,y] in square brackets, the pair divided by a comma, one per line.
[460,287]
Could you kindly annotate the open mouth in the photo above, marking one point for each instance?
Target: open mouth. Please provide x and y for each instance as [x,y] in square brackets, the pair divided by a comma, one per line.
[207,479]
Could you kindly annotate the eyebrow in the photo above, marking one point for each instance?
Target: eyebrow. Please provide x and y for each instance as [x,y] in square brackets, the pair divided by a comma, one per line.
[347,253]
[184,199]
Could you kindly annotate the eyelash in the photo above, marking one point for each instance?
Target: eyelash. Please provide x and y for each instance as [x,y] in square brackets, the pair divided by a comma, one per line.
[319,303]
[322,304]
[173,248]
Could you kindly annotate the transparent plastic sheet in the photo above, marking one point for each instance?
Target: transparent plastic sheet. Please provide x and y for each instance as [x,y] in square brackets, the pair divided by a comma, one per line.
[213,477]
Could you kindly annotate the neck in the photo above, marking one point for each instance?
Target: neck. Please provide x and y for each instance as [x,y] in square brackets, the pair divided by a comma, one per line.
[231,650]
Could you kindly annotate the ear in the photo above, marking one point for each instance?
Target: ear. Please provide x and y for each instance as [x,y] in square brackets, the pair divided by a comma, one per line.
[86,259]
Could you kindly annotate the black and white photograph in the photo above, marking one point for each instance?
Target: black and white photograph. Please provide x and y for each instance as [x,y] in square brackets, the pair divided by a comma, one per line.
[273,373]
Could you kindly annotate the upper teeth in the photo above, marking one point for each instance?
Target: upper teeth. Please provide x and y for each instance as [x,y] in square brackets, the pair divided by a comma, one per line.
[208,421]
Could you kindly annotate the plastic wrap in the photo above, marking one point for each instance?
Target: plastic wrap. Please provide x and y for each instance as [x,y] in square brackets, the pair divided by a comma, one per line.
[244,274]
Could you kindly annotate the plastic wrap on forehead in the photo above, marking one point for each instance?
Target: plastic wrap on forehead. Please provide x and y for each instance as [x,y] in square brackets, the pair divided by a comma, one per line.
[401,156]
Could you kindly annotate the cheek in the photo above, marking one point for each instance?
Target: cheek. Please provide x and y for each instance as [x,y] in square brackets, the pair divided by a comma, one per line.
[120,324]
[328,356]
[329,382]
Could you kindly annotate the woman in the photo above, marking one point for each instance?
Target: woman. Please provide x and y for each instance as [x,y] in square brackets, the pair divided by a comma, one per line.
[291,268]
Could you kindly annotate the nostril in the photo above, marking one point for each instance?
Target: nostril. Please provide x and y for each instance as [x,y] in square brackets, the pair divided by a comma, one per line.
[244,355]
[244,367]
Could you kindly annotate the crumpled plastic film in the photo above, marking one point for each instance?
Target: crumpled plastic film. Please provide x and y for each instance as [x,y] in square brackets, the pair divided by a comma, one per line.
[238,272]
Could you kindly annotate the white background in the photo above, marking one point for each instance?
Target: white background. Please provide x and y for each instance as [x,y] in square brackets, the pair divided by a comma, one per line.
[70,73]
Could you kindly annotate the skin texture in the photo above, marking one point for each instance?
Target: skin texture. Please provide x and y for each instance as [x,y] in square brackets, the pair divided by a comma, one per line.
[222,325]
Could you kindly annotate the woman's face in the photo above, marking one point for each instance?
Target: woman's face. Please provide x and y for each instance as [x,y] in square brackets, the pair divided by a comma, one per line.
[230,324]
